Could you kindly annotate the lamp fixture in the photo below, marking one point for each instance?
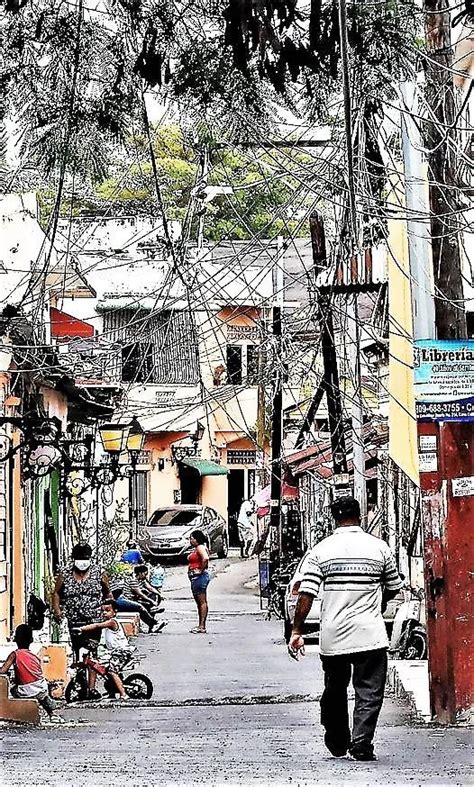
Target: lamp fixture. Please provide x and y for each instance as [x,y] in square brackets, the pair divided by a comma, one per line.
[199,433]
[114,438]
[136,439]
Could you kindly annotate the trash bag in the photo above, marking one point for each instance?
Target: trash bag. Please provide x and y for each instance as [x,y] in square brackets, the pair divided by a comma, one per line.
[35,611]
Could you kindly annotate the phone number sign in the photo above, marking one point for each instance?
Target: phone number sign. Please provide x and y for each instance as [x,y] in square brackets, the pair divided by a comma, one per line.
[444,380]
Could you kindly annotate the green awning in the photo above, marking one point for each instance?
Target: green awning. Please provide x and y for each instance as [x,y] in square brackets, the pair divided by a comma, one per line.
[204,466]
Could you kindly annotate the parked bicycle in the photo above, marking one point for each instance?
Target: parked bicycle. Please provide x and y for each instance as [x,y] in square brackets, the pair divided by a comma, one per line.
[137,685]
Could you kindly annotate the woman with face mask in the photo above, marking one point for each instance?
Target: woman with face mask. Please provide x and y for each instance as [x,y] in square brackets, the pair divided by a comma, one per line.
[79,591]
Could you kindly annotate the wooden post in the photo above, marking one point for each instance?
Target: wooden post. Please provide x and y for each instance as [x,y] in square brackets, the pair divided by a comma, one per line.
[441,138]
[330,380]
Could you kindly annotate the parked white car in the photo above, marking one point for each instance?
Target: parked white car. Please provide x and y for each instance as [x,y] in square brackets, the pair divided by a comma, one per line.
[312,623]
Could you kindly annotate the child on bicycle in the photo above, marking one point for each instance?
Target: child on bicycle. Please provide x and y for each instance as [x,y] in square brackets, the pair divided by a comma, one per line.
[29,681]
[114,647]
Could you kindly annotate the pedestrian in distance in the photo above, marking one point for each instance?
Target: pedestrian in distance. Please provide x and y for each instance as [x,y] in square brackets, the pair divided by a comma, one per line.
[198,563]
[247,528]
[79,591]
[130,597]
[114,646]
[29,681]
[358,575]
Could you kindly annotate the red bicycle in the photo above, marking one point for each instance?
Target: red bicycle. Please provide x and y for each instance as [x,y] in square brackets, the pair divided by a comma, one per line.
[136,685]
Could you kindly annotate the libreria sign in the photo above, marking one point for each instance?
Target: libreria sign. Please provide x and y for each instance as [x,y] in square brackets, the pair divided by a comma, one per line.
[444,380]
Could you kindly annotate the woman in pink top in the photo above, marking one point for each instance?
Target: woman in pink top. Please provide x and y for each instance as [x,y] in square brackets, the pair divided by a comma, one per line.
[198,562]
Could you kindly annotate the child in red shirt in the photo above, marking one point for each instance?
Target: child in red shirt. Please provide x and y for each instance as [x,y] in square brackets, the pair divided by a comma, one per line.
[29,681]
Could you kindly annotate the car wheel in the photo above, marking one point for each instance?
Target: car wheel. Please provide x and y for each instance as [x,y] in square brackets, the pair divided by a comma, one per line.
[287,629]
[223,550]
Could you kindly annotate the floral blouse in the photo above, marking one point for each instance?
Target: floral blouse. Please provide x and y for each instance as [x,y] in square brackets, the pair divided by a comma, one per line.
[81,600]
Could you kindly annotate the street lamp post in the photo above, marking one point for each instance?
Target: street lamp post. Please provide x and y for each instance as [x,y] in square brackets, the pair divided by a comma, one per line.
[135,443]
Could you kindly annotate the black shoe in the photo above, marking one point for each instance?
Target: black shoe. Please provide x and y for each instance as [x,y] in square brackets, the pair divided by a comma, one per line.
[93,695]
[336,748]
[363,753]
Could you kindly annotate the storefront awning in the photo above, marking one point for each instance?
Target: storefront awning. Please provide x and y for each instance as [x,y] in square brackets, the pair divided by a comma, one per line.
[204,466]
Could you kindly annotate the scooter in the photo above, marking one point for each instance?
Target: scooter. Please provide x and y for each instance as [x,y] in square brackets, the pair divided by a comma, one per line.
[408,640]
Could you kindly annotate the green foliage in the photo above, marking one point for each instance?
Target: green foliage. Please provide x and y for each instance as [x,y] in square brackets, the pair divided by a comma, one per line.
[261,202]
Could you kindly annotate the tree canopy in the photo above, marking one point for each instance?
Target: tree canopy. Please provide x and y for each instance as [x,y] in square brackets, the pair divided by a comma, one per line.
[266,195]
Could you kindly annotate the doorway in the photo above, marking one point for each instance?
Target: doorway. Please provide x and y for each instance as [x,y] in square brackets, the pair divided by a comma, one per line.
[236,494]
[190,485]
[138,500]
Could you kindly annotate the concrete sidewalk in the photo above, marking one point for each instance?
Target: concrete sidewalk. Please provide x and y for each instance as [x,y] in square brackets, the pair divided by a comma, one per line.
[409,680]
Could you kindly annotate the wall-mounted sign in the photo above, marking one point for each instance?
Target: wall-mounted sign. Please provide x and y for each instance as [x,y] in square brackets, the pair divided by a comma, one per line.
[241,457]
[144,458]
[236,332]
[463,487]
[165,398]
[428,442]
[444,380]
[428,462]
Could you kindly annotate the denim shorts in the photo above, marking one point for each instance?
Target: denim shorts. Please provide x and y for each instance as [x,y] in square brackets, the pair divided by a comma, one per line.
[200,582]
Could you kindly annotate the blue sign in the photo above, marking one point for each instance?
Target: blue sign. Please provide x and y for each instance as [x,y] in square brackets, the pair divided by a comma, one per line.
[444,379]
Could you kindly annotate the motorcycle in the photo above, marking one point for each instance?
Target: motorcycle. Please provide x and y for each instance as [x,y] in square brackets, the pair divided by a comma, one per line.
[408,640]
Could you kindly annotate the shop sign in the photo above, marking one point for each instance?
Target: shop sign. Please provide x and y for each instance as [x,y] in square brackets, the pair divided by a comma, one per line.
[144,458]
[428,462]
[239,332]
[463,487]
[235,457]
[444,380]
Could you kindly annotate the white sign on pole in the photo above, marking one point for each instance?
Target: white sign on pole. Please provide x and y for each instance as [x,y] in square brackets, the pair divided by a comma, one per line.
[463,487]
[428,462]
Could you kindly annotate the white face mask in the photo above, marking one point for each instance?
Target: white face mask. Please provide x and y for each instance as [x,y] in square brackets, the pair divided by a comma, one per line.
[82,565]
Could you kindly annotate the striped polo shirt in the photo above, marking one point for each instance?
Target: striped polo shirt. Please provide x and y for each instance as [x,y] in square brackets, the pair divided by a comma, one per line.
[353,567]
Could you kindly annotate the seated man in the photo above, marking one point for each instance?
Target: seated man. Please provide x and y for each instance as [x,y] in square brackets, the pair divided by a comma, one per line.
[145,586]
[132,554]
[130,598]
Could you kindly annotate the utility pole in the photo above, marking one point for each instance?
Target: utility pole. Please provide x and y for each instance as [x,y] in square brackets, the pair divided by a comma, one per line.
[203,178]
[447,503]
[440,139]
[357,410]
[277,412]
[418,221]
[330,381]
[358,454]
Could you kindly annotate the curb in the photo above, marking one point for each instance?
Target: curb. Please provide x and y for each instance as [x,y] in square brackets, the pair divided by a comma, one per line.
[251,699]
[395,682]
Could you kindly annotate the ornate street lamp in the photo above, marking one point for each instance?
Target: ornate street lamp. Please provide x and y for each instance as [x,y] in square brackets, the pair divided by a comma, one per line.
[114,438]
[45,448]
[135,440]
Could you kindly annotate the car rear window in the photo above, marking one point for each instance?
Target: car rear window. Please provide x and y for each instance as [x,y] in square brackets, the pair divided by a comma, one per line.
[169,518]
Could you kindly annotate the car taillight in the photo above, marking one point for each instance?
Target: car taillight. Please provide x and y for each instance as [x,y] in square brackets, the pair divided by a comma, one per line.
[295,589]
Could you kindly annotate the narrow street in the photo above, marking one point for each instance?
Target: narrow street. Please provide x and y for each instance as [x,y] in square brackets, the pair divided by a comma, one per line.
[229,708]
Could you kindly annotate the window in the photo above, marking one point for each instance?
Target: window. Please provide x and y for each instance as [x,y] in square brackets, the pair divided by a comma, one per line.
[252,364]
[234,364]
[137,363]
[242,364]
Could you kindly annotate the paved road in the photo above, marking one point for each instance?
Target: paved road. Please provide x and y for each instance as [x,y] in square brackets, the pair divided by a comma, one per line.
[257,724]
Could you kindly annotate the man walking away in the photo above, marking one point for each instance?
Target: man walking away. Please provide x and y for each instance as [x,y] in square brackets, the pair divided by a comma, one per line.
[359,576]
